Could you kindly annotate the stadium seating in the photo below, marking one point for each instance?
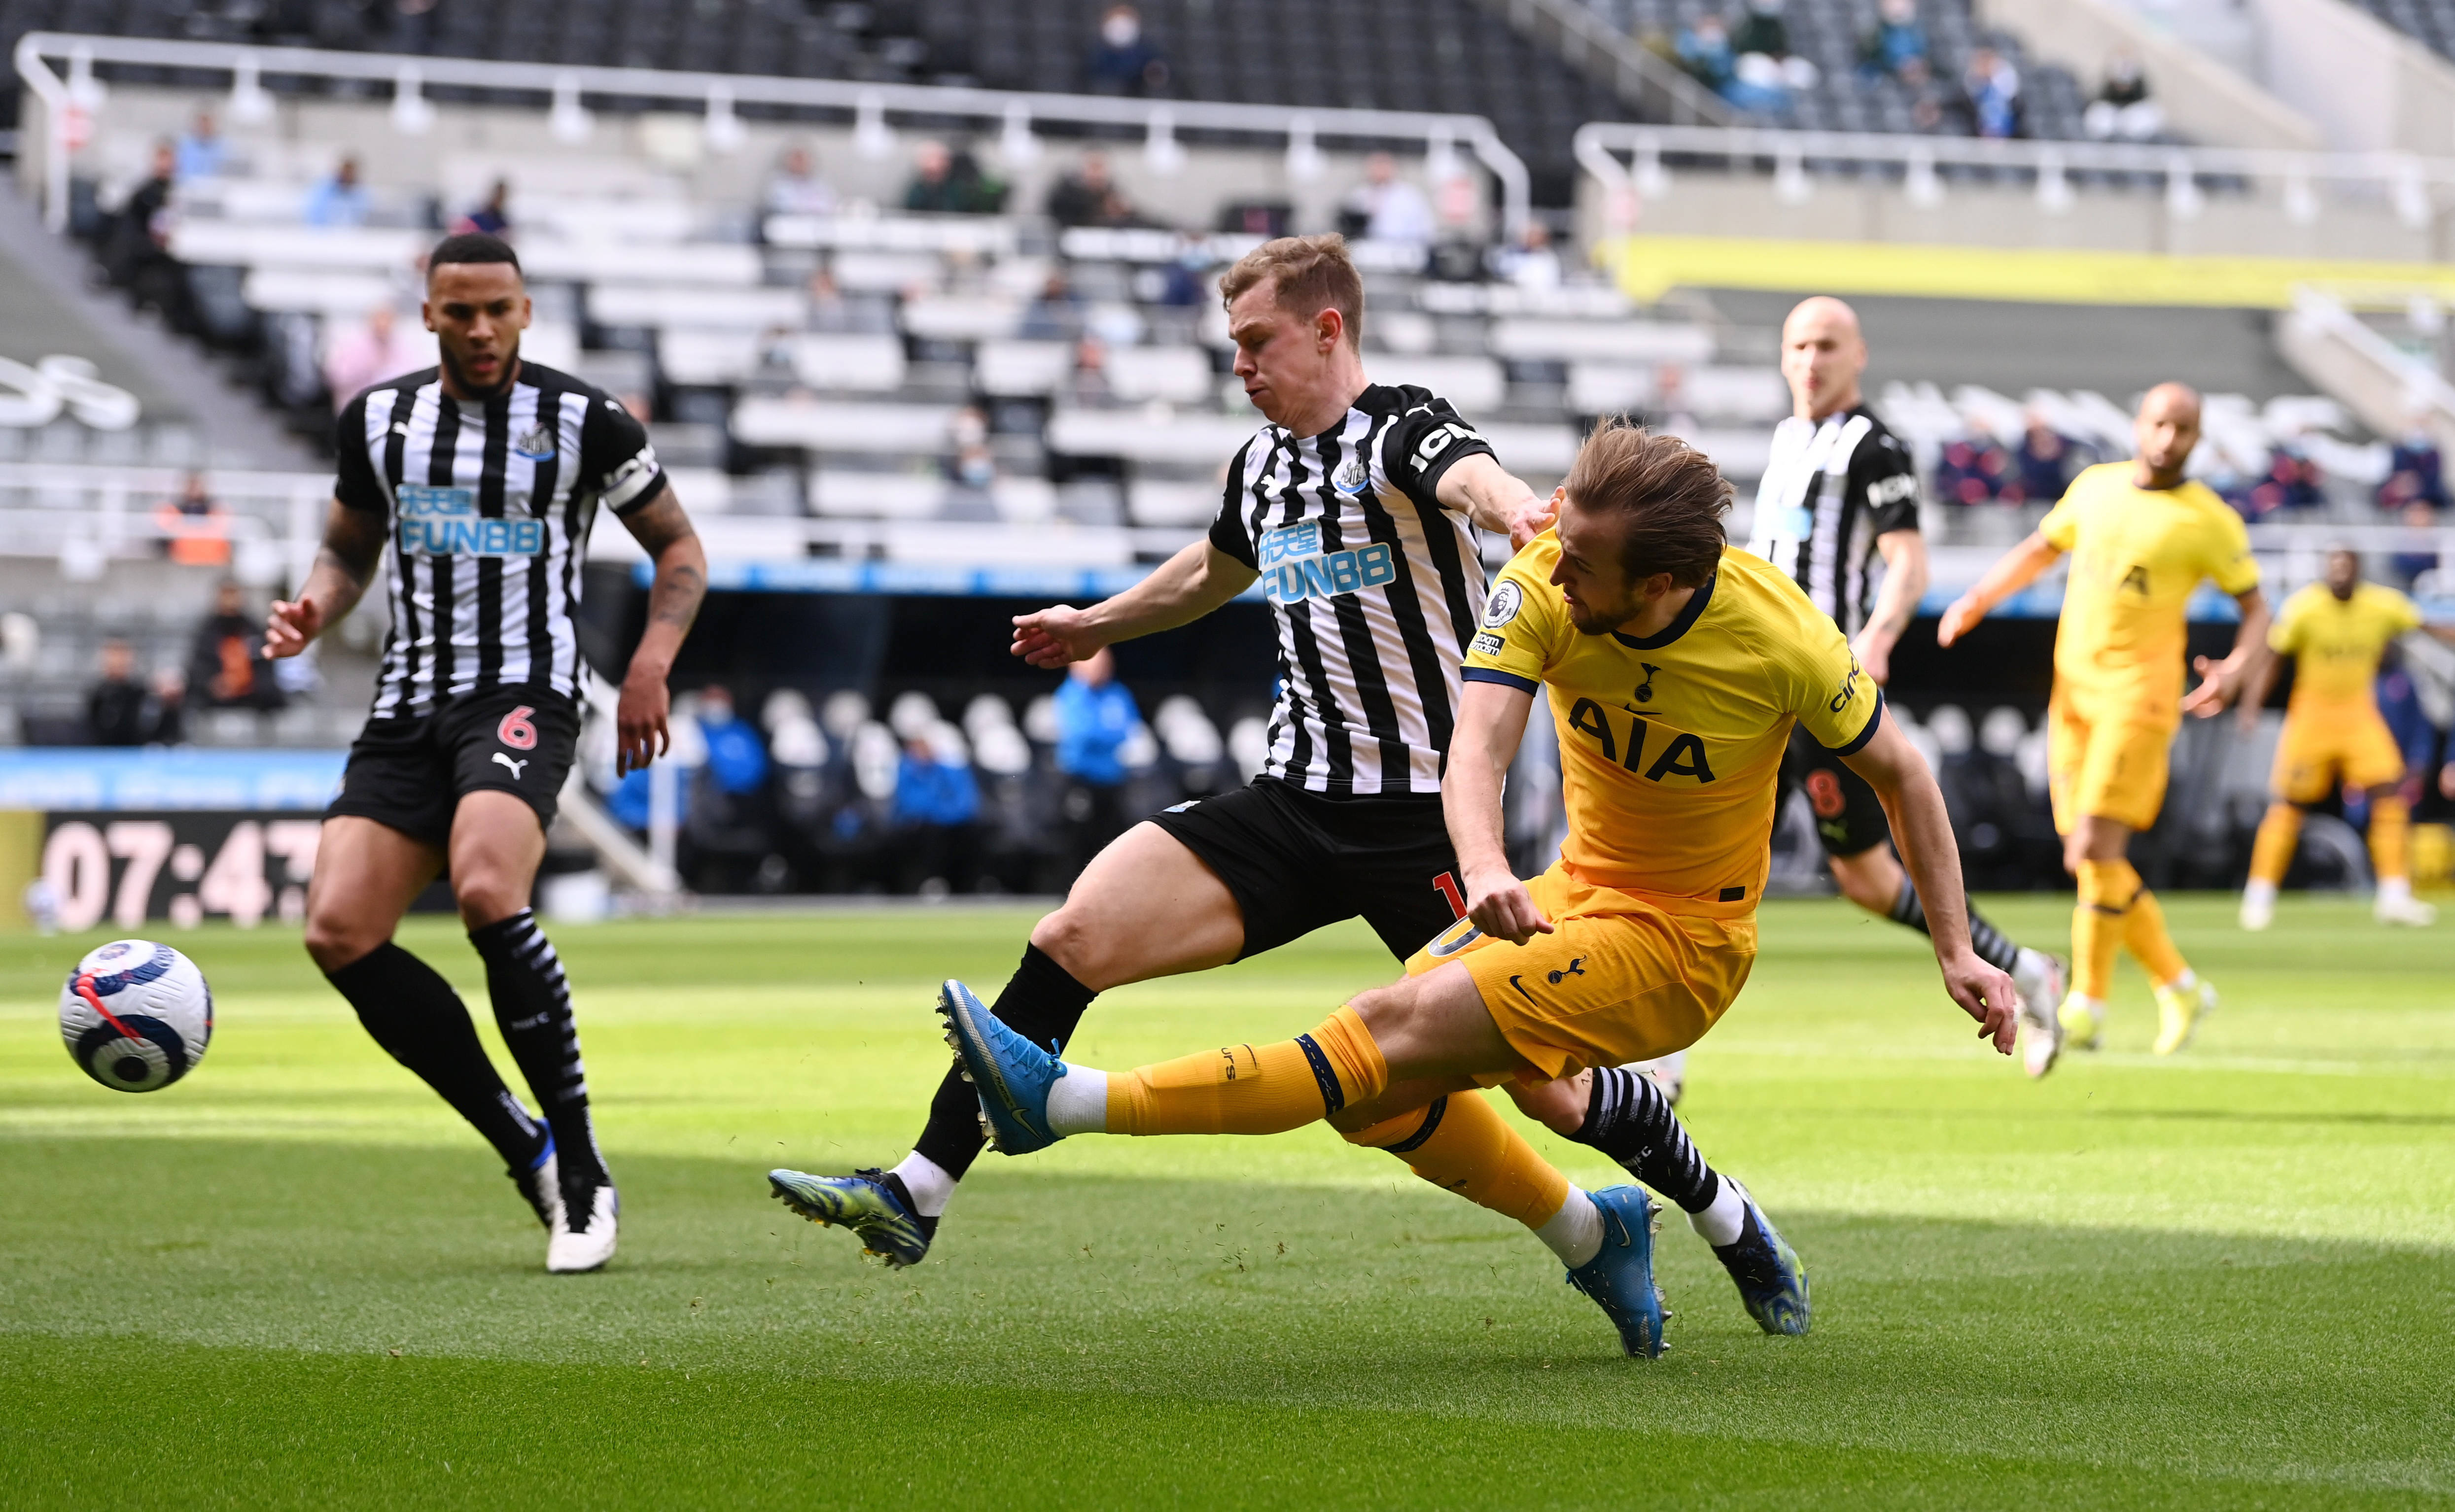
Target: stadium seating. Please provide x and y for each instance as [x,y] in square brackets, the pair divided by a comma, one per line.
[2428,22]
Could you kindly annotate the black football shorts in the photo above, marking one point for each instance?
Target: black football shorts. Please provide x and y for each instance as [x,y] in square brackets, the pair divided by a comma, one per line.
[1849,818]
[1296,861]
[411,774]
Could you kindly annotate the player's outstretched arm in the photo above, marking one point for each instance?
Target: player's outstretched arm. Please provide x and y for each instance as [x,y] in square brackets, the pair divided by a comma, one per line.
[665,532]
[1182,589]
[1496,499]
[1922,831]
[2018,569]
[2223,681]
[1896,602]
[354,542]
[1492,720]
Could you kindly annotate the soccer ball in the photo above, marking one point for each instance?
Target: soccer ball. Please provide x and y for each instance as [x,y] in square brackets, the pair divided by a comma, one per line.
[136,1015]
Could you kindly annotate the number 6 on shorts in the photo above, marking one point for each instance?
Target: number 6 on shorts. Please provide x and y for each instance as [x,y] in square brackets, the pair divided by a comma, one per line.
[515,730]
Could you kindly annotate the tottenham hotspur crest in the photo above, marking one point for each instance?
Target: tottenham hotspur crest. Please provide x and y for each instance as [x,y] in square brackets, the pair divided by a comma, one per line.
[536,444]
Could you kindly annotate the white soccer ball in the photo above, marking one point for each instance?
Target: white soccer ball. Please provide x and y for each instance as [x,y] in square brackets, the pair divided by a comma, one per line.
[136,1015]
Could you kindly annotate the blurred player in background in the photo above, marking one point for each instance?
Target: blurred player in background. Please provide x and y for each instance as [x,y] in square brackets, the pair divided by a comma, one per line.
[1839,494]
[2335,630]
[479,481]
[2141,537]
[1677,668]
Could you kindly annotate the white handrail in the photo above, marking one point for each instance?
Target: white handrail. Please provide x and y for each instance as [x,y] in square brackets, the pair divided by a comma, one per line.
[2407,178]
[722,93]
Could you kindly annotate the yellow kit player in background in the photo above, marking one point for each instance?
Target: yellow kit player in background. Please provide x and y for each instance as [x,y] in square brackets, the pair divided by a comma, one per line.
[2141,537]
[2336,630]
[1678,667]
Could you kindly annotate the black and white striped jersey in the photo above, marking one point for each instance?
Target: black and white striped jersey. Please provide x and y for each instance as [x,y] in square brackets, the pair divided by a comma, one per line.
[1830,488]
[490,506]
[1372,585]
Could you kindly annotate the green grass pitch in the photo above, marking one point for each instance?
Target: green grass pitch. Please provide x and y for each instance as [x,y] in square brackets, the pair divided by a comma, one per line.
[2225,1279]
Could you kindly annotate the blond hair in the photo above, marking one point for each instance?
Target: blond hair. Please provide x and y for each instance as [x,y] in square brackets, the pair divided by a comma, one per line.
[1312,273]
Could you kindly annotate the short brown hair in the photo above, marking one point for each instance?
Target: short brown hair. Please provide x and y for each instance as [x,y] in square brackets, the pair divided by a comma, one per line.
[1314,273]
[1671,495]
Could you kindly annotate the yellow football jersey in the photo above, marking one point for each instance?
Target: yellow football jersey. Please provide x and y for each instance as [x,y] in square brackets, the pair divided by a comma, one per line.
[2337,642]
[2137,554]
[1671,745]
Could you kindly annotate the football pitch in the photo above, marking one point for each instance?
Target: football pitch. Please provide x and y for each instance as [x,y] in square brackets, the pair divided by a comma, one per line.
[295,1279]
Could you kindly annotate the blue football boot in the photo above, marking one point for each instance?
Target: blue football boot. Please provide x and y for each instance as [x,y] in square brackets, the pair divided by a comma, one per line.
[1769,1278]
[1621,1276]
[1010,1075]
[868,1202]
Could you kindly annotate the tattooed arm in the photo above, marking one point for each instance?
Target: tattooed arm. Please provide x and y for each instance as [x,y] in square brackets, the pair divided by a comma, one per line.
[353,543]
[664,531]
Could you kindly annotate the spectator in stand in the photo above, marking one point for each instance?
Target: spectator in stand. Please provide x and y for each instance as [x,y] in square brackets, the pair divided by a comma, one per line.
[1385,208]
[137,251]
[116,708]
[1972,471]
[227,662]
[950,180]
[1529,262]
[1090,196]
[494,217]
[196,530]
[2123,109]
[1895,46]
[831,309]
[937,799]
[338,199]
[1763,33]
[375,348]
[202,151]
[2043,464]
[1095,716]
[1054,313]
[2416,473]
[2411,564]
[737,759]
[796,189]
[1088,385]
[1704,50]
[1124,61]
[2292,482]
[1990,96]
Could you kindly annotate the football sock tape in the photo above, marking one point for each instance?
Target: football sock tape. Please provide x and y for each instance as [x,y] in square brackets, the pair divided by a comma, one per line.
[1041,1001]
[421,1023]
[1252,1089]
[1629,1118]
[533,1010]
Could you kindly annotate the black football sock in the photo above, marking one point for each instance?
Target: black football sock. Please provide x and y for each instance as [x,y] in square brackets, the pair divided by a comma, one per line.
[1629,1118]
[1993,946]
[1042,1002]
[532,1009]
[415,1016]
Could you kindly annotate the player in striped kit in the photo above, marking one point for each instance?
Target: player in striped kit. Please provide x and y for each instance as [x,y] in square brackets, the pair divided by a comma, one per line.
[478,480]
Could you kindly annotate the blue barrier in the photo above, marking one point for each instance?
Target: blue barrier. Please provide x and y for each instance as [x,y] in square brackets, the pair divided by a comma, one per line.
[56,778]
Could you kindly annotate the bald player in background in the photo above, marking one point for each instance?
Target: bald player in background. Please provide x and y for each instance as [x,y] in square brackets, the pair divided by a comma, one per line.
[2141,537]
[1839,496]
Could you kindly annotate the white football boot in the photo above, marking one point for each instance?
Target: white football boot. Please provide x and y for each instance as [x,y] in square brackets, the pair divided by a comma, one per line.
[542,1185]
[2396,904]
[2258,905]
[2040,980]
[590,1245]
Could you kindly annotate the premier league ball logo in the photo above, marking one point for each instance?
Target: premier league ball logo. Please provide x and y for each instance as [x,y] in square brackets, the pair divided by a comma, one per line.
[136,1015]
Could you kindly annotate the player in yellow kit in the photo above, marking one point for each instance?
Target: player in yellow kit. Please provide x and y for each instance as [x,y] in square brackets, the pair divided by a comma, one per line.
[2336,630]
[2141,538]
[1678,667]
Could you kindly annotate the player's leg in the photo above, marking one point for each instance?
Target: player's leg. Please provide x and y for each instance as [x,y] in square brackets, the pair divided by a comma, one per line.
[2299,779]
[2374,763]
[511,751]
[382,843]
[1146,906]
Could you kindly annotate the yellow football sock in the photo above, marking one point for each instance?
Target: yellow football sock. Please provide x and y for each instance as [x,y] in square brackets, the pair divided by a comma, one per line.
[1252,1089]
[2143,930]
[2105,891]
[2390,836]
[2279,832]
[1460,1143]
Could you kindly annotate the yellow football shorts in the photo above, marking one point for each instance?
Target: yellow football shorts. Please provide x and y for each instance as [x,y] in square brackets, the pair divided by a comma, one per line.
[2114,768]
[2323,746]
[1618,979]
